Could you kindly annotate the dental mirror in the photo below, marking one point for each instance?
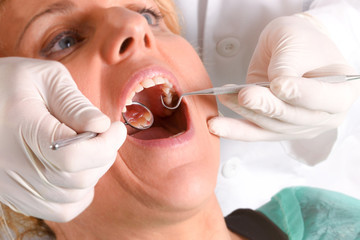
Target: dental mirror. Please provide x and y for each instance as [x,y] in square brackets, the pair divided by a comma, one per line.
[137,115]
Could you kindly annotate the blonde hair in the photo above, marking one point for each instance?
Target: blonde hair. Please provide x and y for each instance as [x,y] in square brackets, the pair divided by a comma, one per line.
[16,226]
[171,17]
[23,227]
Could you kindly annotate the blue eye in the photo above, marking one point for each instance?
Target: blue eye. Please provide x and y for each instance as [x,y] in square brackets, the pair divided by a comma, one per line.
[66,42]
[149,18]
[62,42]
[153,17]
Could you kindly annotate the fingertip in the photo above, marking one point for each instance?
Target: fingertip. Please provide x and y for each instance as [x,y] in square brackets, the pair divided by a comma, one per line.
[227,99]
[253,97]
[120,132]
[96,121]
[246,96]
[217,127]
[285,88]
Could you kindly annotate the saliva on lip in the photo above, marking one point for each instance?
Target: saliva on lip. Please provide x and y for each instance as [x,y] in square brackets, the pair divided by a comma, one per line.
[138,116]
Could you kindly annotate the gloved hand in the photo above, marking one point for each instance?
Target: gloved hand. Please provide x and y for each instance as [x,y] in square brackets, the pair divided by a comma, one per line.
[290,51]
[39,103]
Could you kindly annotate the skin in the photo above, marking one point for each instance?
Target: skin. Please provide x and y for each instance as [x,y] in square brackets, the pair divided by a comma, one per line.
[162,190]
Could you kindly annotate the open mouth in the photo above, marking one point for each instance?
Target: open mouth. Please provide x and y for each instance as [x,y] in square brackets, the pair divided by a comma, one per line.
[167,123]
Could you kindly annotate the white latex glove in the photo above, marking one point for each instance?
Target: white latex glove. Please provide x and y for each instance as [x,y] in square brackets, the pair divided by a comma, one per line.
[37,99]
[290,50]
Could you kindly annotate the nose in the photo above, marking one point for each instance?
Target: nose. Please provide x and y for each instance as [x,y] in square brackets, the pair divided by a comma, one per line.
[124,33]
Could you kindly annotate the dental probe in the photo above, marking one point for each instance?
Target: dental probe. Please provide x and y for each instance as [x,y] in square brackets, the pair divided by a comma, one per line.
[230,89]
[65,142]
[137,116]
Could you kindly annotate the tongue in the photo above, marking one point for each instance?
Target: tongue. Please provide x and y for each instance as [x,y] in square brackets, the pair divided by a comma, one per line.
[153,133]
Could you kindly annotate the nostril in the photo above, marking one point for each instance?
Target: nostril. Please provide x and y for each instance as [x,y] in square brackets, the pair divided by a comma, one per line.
[126,44]
[146,41]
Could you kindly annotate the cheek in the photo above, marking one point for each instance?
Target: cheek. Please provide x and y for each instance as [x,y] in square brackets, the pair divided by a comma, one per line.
[184,59]
[87,77]
[98,85]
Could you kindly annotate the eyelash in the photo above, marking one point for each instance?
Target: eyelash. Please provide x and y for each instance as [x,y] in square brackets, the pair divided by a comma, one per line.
[48,50]
[157,15]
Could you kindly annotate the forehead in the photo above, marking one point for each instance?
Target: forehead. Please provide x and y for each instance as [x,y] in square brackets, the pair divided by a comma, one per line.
[26,7]
[44,3]
[20,10]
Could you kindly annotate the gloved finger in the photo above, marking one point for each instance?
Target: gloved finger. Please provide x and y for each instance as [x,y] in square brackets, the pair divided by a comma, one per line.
[43,189]
[232,100]
[229,100]
[66,102]
[288,46]
[316,95]
[93,153]
[273,124]
[262,101]
[54,88]
[45,176]
[239,129]
[49,210]
[302,131]
[276,116]
[283,51]
[78,180]
[330,70]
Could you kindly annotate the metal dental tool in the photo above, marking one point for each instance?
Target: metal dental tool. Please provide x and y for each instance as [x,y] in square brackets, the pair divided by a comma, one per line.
[140,117]
[137,116]
[236,88]
[214,91]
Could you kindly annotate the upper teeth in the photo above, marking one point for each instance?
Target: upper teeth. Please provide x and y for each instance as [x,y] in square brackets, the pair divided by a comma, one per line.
[148,83]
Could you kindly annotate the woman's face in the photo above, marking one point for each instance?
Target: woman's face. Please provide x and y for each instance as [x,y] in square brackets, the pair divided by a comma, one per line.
[113,49]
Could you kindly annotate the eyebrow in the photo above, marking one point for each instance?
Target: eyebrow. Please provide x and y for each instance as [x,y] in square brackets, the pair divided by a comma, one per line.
[58,7]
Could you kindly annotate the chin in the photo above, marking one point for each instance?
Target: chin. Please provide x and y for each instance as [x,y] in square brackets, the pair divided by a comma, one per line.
[180,176]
